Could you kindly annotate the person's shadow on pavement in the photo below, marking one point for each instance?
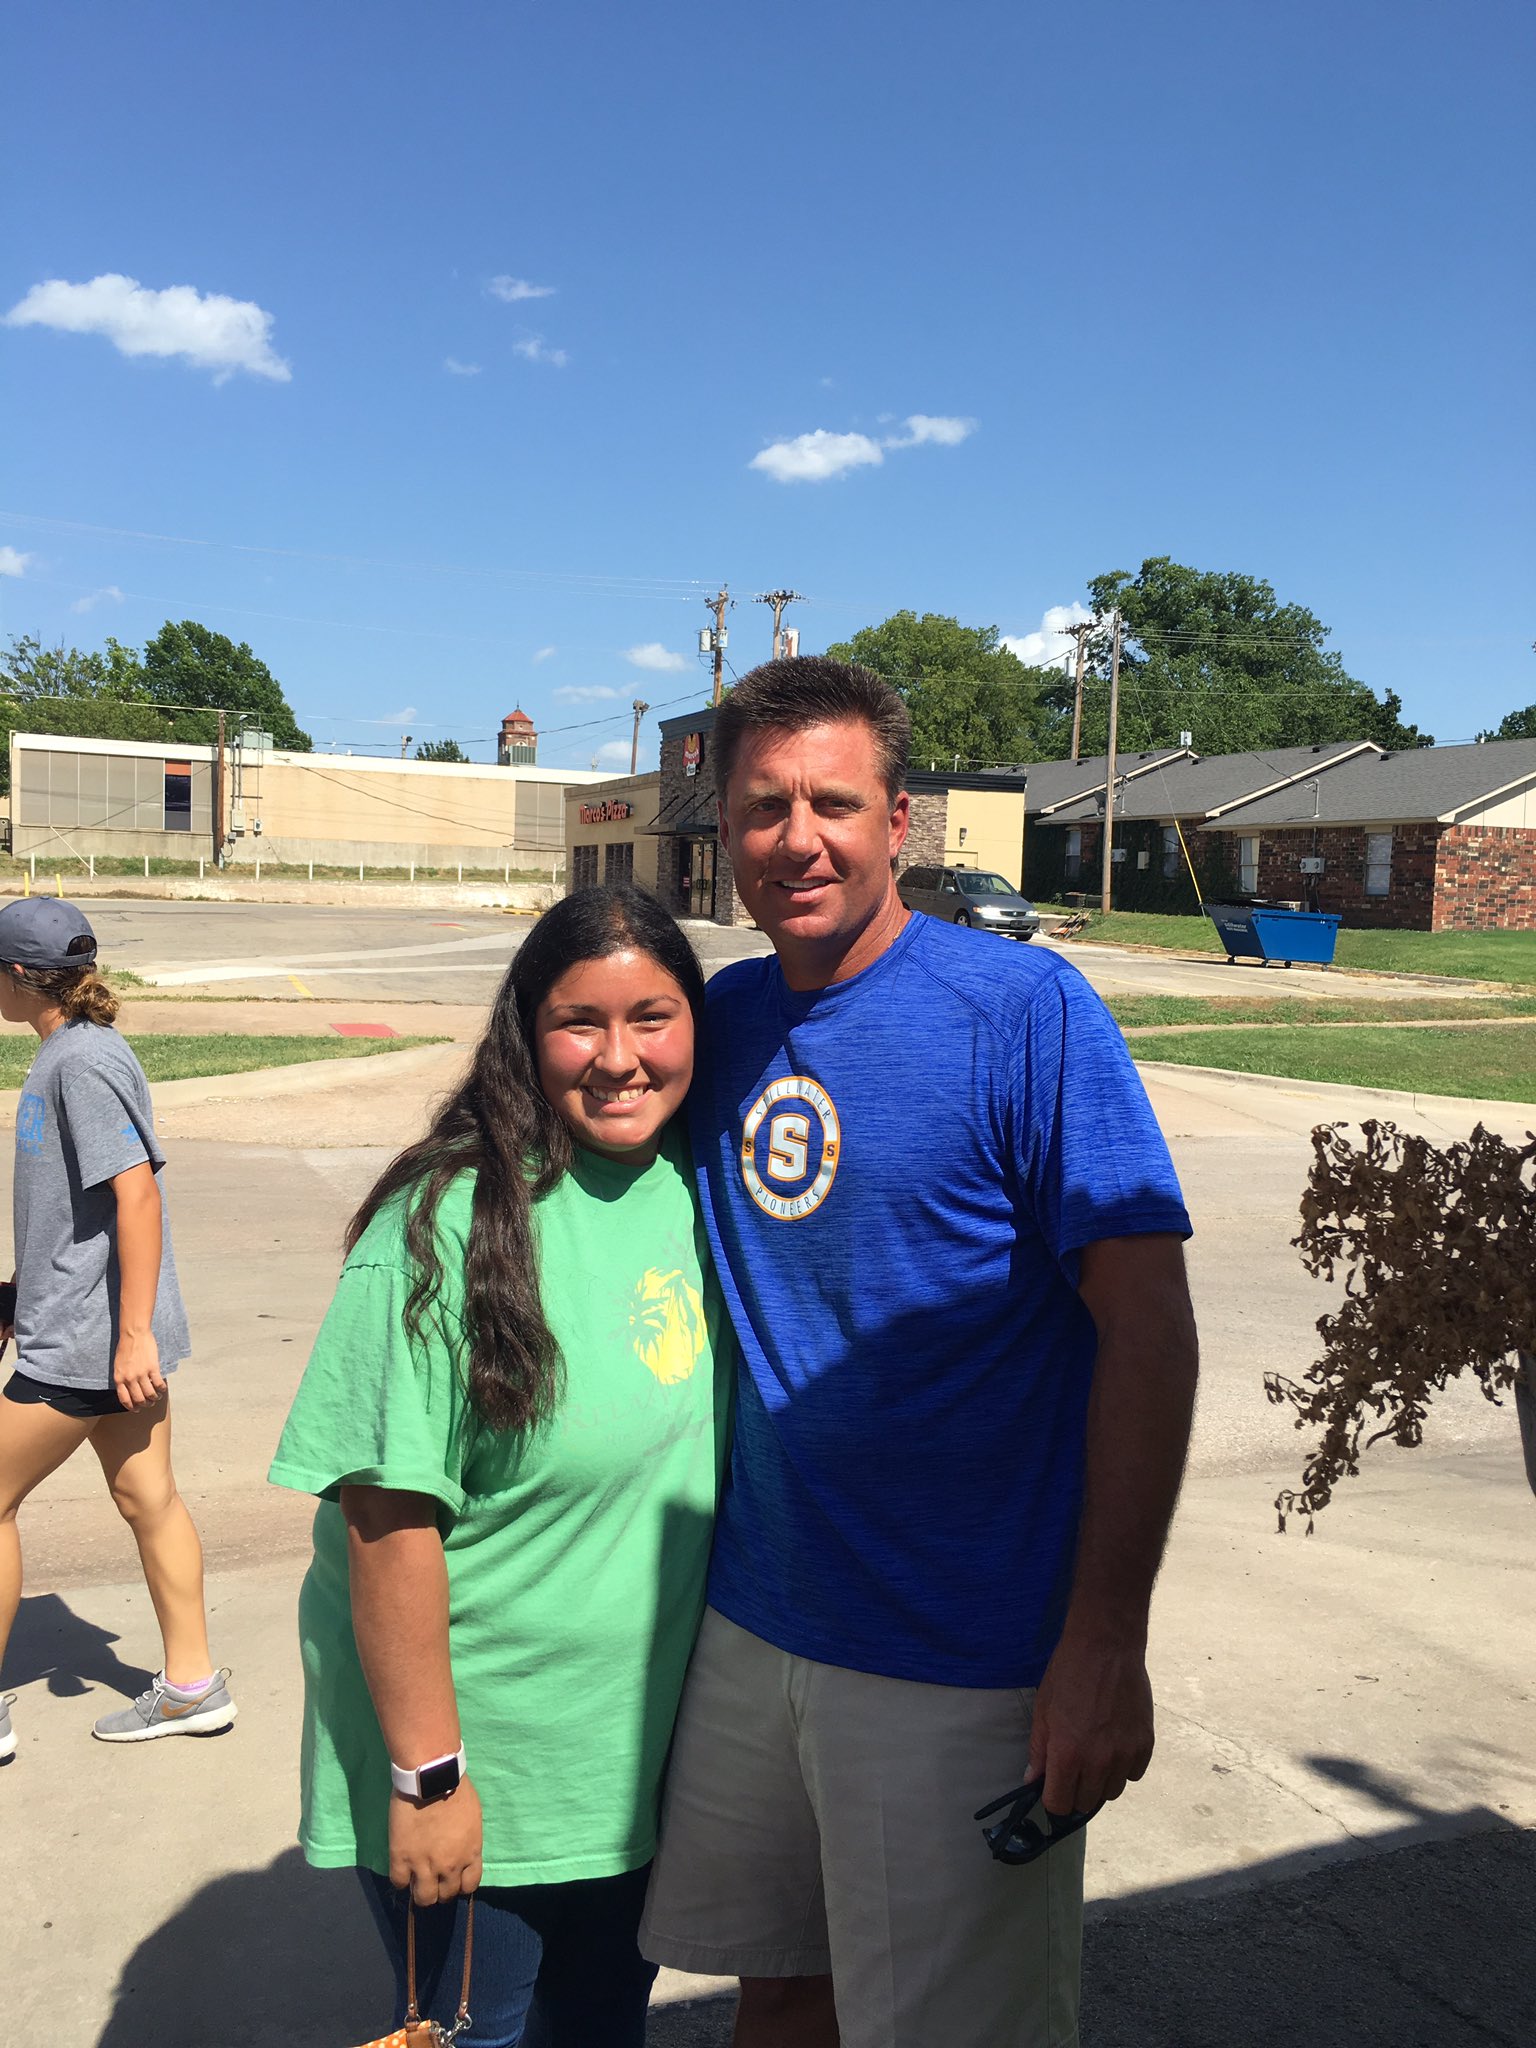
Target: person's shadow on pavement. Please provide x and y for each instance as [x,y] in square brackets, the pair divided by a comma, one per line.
[283,1954]
[50,1641]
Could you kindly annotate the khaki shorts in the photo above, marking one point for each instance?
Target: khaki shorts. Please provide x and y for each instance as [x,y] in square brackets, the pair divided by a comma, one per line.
[817,1819]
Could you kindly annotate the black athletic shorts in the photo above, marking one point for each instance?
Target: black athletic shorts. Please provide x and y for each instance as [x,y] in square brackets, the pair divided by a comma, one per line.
[81,1403]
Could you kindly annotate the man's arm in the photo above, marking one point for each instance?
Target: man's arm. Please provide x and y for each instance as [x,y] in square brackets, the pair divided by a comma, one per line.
[1093,1715]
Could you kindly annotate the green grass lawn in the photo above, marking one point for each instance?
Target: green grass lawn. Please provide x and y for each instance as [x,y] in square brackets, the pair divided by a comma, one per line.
[168,1056]
[1133,1013]
[1508,957]
[1498,1065]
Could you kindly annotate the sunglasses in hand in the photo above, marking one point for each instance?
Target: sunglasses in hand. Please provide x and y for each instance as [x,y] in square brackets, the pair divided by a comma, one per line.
[1026,1829]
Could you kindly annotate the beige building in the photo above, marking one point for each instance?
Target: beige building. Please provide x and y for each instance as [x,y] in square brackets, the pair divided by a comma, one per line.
[605,832]
[86,797]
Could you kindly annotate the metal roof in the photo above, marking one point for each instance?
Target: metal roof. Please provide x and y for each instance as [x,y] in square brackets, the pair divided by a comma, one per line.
[1204,786]
[1419,784]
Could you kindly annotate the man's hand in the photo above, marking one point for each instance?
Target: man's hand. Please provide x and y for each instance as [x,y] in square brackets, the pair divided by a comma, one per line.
[136,1370]
[1092,1728]
[435,1850]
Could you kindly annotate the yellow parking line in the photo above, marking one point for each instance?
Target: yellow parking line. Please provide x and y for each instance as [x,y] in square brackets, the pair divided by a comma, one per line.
[303,991]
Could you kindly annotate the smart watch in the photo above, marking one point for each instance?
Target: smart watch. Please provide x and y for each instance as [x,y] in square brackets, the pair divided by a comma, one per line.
[432,1781]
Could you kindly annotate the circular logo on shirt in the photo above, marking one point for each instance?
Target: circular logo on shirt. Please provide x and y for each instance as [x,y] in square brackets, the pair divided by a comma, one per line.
[790,1145]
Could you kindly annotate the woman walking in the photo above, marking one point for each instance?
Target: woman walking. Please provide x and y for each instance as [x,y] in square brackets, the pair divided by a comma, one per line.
[97,1316]
[516,1417]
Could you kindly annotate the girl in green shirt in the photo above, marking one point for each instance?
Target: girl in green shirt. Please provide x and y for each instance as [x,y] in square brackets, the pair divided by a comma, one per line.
[515,1417]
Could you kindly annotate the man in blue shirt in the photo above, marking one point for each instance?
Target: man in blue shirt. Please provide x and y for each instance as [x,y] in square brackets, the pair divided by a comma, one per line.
[951,1240]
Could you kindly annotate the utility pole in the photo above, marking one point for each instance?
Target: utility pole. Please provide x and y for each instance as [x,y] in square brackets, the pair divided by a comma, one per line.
[640,709]
[779,599]
[218,798]
[1079,633]
[1106,879]
[718,639]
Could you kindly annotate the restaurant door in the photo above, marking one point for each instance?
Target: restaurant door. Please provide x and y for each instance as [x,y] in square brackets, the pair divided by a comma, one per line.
[698,877]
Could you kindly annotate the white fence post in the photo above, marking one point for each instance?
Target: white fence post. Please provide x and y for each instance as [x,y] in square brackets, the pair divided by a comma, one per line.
[359,871]
[311,871]
[146,867]
[199,869]
[92,866]
[413,871]
[461,871]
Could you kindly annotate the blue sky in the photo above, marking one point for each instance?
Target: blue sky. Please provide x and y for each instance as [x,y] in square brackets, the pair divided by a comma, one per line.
[1058,288]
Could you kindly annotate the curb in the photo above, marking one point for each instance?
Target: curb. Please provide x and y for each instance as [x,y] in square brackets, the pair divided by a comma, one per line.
[517,898]
[1341,1091]
[309,1078]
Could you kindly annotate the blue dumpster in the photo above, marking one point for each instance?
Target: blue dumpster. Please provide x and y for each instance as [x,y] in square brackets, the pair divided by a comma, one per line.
[1269,932]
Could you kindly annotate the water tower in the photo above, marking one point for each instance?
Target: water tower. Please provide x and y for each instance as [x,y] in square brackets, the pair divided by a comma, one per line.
[517,744]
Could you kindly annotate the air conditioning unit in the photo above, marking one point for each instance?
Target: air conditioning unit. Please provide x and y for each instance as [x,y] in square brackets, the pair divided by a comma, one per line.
[1313,864]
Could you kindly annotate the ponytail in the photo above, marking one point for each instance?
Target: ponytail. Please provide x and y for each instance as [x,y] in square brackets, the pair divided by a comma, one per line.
[79,992]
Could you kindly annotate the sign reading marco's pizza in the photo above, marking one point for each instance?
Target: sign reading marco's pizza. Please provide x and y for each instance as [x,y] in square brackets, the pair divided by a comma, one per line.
[606,814]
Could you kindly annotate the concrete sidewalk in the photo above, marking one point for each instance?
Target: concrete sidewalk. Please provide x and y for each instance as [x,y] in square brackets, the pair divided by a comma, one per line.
[1334,1838]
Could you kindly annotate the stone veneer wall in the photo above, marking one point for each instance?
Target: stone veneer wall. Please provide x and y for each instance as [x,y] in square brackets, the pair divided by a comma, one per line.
[684,795]
[930,825]
[1485,879]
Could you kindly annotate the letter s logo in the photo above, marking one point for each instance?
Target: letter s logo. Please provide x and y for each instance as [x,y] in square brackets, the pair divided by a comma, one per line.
[789,1142]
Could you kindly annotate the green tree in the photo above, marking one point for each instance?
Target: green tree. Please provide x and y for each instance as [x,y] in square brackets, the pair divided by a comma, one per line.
[441,750]
[1514,725]
[190,666]
[1214,654]
[31,672]
[966,693]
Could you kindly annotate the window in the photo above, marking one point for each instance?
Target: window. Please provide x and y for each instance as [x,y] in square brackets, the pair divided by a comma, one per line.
[1170,851]
[1378,863]
[1074,853]
[982,882]
[921,878]
[583,867]
[1248,866]
[619,863]
[178,796]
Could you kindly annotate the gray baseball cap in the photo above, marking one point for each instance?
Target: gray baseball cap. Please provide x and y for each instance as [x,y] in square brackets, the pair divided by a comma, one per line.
[42,931]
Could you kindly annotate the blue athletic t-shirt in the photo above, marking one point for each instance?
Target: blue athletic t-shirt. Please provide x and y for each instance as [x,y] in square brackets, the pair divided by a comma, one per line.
[899,1173]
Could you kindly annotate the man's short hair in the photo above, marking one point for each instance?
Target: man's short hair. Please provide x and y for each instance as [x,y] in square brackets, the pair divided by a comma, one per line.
[788,696]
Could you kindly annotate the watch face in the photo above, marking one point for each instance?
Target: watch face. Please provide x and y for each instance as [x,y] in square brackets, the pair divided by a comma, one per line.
[439,1779]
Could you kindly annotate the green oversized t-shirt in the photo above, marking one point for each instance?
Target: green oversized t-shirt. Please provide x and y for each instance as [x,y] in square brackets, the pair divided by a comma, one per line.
[576,1554]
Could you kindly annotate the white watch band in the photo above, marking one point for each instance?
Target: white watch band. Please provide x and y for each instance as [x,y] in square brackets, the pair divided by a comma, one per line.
[409,1783]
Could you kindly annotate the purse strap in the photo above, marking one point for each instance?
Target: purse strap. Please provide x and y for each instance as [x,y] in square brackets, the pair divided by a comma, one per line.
[462,2021]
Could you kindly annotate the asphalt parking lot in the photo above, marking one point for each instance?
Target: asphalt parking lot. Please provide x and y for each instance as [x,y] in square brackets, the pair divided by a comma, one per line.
[295,951]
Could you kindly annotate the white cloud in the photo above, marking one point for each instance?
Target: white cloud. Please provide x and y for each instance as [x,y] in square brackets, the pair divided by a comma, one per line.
[533,350]
[615,751]
[653,655]
[935,428]
[401,717]
[457,369]
[13,563]
[108,594]
[209,330]
[544,653]
[513,290]
[812,458]
[575,693]
[1043,649]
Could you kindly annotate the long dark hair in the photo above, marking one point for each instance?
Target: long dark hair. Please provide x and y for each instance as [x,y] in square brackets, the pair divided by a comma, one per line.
[500,1125]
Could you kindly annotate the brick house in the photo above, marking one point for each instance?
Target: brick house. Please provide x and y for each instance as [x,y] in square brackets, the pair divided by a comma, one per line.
[1158,797]
[1432,839]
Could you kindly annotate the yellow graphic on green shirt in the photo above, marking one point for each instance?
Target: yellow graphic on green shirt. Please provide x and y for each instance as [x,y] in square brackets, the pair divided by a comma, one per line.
[666,1314]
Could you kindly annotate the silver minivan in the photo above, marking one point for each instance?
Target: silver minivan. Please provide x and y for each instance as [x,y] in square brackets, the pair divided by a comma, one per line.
[975,896]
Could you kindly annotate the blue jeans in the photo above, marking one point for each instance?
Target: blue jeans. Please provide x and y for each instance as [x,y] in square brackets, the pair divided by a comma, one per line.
[555,1965]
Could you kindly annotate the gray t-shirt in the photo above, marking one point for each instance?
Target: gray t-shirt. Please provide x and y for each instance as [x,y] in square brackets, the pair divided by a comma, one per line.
[84,1116]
